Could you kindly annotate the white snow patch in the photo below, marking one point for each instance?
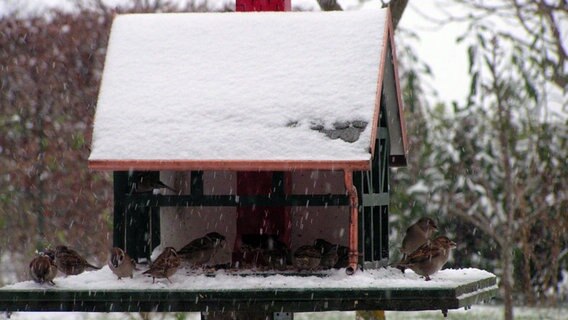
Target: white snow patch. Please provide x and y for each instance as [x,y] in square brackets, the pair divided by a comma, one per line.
[379,278]
[419,187]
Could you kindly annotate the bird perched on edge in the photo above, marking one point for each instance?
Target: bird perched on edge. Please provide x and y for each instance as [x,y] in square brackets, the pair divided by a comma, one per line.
[429,258]
[167,263]
[43,268]
[201,251]
[307,257]
[147,182]
[70,262]
[120,263]
[417,234]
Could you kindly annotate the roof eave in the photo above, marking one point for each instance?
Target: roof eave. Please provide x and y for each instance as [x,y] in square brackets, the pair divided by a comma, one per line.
[397,160]
[229,165]
[403,157]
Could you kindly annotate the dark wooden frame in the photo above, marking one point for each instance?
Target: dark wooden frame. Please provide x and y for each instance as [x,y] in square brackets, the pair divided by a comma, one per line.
[137,223]
[247,300]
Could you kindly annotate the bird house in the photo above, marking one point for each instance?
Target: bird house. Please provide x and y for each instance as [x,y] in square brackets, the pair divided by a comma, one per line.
[263,127]
[283,125]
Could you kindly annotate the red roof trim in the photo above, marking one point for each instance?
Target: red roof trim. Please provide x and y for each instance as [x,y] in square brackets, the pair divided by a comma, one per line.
[231,165]
[389,36]
[390,29]
[377,111]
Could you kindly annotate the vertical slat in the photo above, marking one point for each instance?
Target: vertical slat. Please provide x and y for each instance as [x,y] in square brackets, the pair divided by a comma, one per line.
[368,212]
[278,183]
[385,232]
[197,183]
[155,228]
[359,182]
[139,229]
[121,188]
[385,183]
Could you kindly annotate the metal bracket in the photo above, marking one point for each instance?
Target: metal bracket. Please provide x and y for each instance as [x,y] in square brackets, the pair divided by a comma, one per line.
[283,316]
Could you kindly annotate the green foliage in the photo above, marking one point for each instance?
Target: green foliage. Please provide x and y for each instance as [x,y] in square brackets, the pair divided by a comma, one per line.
[78,141]
[492,169]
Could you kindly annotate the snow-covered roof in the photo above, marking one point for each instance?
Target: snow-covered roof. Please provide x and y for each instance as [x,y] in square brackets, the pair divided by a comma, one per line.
[261,90]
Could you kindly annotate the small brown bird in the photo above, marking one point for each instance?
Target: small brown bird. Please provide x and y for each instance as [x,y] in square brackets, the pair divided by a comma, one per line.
[167,263]
[307,258]
[43,269]
[329,255]
[417,234]
[264,251]
[121,264]
[276,259]
[202,250]
[341,251]
[144,182]
[70,262]
[429,258]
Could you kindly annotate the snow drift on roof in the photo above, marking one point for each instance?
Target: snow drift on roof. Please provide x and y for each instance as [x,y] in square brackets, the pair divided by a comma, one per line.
[239,86]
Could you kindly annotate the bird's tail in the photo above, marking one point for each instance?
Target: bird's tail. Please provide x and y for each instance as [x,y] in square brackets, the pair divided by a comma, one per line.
[134,264]
[163,185]
[93,267]
[400,265]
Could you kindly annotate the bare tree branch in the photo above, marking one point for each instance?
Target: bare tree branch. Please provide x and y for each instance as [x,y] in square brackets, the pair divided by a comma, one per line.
[397,9]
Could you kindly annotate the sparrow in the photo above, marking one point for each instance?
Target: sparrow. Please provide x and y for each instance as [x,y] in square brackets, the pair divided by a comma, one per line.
[328,251]
[143,182]
[43,269]
[265,250]
[70,262]
[417,234]
[251,256]
[166,264]
[342,253]
[121,264]
[307,257]
[276,259]
[342,257]
[429,258]
[202,250]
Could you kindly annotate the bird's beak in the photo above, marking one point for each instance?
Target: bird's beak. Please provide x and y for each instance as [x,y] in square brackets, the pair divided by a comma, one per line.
[453,244]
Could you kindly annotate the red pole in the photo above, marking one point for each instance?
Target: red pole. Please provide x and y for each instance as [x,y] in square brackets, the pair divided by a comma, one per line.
[263,5]
[251,219]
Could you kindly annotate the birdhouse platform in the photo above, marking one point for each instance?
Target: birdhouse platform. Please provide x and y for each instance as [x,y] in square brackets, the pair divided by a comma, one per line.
[383,289]
[263,124]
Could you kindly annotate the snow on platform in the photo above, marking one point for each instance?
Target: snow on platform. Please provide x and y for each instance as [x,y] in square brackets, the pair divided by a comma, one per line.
[385,289]
[377,278]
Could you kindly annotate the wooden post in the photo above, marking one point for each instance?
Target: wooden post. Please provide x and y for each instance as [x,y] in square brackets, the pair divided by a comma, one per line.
[120,185]
[136,229]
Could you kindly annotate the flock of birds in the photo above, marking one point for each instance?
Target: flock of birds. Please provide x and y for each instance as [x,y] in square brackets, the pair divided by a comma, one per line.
[45,266]
[422,254]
